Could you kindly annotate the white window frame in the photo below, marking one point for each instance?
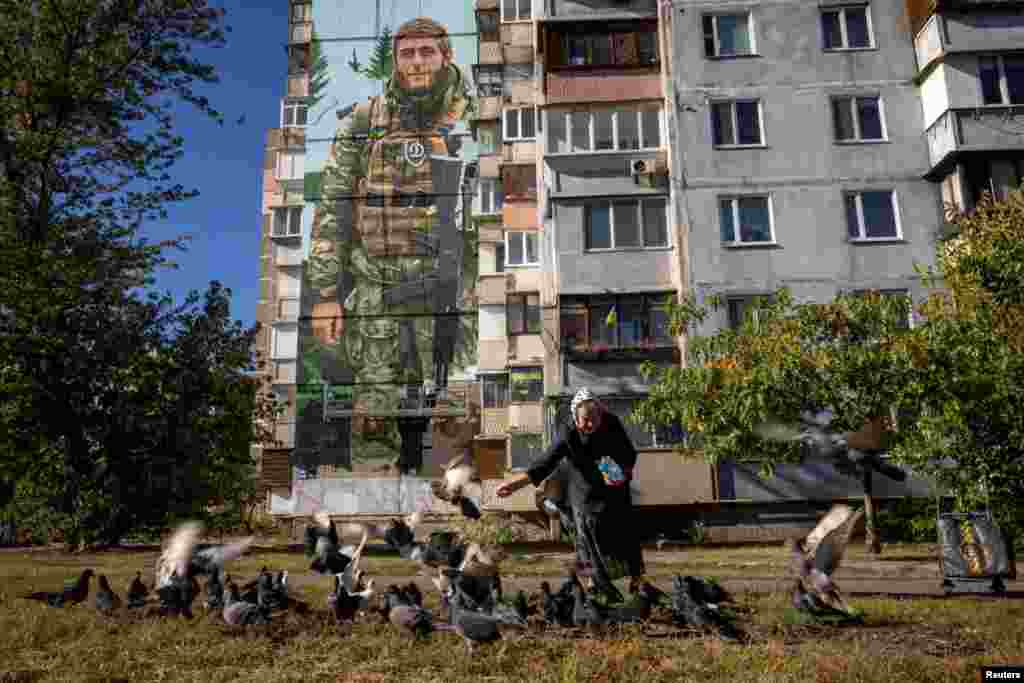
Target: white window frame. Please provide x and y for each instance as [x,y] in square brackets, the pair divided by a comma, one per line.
[518,3]
[845,47]
[734,201]
[861,227]
[751,34]
[290,212]
[490,188]
[294,105]
[296,155]
[858,138]
[641,203]
[592,130]
[522,235]
[306,12]
[504,123]
[1004,88]
[735,124]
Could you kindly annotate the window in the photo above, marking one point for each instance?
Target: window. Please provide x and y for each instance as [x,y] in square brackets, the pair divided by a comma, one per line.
[488,23]
[737,306]
[626,224]
[522,311]
[287,221]
[520,124]
[489,140]
[858,119]
[527,384]
[491,197]
[298,59]
[746,220]
[293,114]
[1002,79]
[736,123]
[494,390]
[302,12]
[516,10]
[489,82]
[728,35]
[521,248]
[615,44]
[872,215]
[285,342]
[604,130]
[290,165]
[612,322]
[519,182]
[846,28]
[499,257]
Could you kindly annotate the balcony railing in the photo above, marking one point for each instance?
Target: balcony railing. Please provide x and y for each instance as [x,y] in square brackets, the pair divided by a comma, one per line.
[490,52]
[494,421]
[284,433]
[490,108]
[604,85]
[981,129]
[491,288]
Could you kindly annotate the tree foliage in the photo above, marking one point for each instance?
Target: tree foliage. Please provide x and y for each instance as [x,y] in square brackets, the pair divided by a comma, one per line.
[102,385]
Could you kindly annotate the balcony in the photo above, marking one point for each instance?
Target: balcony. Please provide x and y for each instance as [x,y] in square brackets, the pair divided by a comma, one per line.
[491,288]
[493,354]
[519,152]
[300,33]
[284,434]
[494,422]
[287,310]
[526,347]
[961,132]
[526,417]
[602,85]
[490,166]
[928,43]
[520,215]
[517,42]
[284,371]
[480,5]
[298,85]
[490,108]
[490,52]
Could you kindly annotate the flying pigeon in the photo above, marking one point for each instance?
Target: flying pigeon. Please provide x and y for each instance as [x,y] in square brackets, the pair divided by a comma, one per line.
[688,611]
[459,473]
[323,545]
[817,556]
[441,551]
[238,612]
[188,558]
[107,601]
[73,592]
[137,592]
[822,443]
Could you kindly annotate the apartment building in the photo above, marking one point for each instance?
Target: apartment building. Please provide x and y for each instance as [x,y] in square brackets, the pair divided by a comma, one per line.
[800,161]
[970,76]
[281,253]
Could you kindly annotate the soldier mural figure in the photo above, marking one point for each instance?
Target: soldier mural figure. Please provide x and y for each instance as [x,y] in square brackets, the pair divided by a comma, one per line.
[401,270]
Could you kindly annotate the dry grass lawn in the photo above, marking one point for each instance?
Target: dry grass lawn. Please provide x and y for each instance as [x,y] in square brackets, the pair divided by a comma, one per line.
[934,640]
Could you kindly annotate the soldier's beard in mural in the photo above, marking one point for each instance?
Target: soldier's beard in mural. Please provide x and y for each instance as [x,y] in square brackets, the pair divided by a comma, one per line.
[393,257]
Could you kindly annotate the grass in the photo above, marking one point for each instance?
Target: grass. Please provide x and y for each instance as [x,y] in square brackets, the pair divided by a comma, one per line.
[933,640]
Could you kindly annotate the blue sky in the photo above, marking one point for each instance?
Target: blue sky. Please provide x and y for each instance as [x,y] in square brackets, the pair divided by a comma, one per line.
[225,162]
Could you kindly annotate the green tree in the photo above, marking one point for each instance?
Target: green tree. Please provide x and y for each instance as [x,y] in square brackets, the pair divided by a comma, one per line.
[381,61]
[848,356]
[87,142]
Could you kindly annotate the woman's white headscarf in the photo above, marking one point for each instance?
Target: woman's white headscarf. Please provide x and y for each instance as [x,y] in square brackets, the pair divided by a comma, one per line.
[581,396]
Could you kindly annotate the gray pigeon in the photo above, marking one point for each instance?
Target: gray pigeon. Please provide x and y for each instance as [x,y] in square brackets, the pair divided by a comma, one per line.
[237,612]
[107,601]
[558,606]
[416,620]
[584,611]
[817,556]
[688,611]
[215,591]
[474,627]
[137,592]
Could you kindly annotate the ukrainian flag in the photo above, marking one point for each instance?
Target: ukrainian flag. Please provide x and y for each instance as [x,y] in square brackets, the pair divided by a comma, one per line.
[377,133]
[613,317]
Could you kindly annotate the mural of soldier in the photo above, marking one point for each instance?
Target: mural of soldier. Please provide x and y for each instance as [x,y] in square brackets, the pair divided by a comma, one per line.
[391,264]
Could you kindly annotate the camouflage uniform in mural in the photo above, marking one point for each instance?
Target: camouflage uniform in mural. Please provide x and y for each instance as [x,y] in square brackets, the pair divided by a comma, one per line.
[399,254]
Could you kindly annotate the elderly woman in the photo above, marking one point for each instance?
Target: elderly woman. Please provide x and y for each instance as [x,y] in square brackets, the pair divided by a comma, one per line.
[594,459]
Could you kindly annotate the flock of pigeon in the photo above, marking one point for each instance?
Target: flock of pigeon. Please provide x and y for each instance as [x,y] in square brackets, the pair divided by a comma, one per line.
[466,576]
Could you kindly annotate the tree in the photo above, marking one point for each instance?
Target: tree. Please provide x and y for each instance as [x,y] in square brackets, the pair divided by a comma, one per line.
[785,359]
[87,141]
[969,435]
[381,62]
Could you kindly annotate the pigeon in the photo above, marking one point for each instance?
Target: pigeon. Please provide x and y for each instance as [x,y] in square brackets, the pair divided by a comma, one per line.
[441,551]
[479,561]
[474,627]
[416,620]
[705,591]
[557,606]
[817,556]
[347,603]
[687,611]
[238,612]
[452,488]
[215,591]
[522,605]
[188,558]
[176,595]
[822,443]
[73,592]
[137,592]
[323,546]
[107,601]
